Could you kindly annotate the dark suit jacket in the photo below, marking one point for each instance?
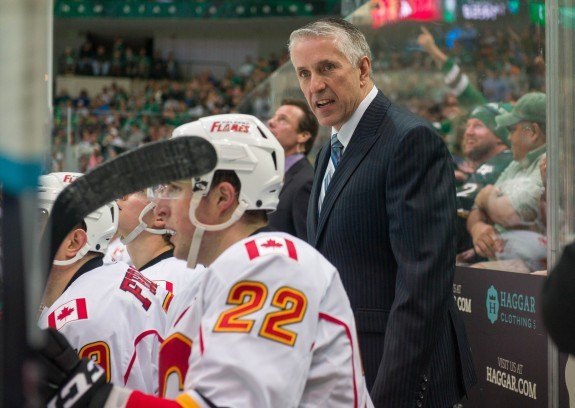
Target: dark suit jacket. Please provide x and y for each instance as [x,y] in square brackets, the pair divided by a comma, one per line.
[291,214]
[388,225]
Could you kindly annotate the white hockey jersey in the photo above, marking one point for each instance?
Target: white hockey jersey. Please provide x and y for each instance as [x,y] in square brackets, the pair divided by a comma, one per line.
[115,316]
[173,275]
[117,252]
[268,325]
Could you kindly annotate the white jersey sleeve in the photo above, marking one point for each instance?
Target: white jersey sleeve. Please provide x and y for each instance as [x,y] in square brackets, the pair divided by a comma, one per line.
[258,327]
[115,316]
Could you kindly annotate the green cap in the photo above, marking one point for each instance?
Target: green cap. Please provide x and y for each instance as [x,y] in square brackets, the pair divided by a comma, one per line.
[530,107]
[487,113]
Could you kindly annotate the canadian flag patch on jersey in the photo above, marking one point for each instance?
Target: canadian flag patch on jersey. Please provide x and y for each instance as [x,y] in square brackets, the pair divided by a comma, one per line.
[271,245]
[68,312]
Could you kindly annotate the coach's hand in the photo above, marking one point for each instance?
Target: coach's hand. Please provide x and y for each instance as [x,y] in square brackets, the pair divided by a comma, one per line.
[69,381]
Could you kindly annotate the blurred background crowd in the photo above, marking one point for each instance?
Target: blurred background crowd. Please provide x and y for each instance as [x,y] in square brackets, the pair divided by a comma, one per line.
[502,64]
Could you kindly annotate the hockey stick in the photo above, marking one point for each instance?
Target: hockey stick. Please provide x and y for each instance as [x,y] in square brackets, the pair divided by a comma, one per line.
[153,163]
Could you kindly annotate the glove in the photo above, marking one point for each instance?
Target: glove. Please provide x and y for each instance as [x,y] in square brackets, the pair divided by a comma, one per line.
[69,381]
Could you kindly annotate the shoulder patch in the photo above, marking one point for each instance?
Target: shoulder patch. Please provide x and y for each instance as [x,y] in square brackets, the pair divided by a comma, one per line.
[270,245]
[68,312]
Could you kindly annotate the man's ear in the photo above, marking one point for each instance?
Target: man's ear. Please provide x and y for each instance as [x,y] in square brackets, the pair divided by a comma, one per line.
[78,240]
[73,242]
[225,196]
[365,70]
[536,128]
[303,137]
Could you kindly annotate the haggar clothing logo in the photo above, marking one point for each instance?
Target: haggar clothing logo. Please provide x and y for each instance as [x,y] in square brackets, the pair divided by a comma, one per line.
[492,304]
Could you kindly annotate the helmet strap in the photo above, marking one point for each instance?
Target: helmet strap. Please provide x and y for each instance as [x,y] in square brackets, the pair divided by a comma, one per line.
[200,227]
[142,226]
[79,255]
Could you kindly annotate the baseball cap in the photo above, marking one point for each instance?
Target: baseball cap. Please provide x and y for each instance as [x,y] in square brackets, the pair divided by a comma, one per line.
[530,107]
[486,113]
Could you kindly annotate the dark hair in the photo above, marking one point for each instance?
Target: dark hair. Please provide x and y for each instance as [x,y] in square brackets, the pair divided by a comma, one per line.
[308,122]
[230,176]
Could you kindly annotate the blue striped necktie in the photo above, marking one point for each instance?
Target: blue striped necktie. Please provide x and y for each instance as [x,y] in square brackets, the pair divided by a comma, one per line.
[335,157]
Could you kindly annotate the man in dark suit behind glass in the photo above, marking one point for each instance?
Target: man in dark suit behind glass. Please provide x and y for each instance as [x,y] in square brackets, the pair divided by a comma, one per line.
[295,127]
[382,210]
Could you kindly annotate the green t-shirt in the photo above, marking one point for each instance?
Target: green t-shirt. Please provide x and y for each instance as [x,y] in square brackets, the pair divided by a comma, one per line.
[487,173]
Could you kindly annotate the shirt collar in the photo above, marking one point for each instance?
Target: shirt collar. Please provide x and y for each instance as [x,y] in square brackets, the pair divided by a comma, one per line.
[346,132]
[291,160]
[532,156]
[164,255]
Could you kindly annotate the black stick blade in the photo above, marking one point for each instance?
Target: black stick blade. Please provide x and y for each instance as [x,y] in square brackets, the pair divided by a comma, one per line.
[154,163]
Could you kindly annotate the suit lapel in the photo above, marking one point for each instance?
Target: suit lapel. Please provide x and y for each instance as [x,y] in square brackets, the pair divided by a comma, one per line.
[290,175]
[361,142]
[321,165]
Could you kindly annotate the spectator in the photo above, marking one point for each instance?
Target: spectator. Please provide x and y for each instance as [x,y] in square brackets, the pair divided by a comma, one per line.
[386,184]
[505,223]
[494,87]
[67,62]
[136,136]
[117,64]
[247,67]
[85,58]
[144,63]
[131,63]
[172,67]
[158,69]
[100,62]
[295,127]
[488,148]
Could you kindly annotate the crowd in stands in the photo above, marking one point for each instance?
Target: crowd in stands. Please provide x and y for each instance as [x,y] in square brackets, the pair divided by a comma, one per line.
[504,64]
[117,119]
[119,60]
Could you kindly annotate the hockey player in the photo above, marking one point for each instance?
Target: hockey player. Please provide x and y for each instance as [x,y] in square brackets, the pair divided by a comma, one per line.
[269,324]
[111,313]
[149,248]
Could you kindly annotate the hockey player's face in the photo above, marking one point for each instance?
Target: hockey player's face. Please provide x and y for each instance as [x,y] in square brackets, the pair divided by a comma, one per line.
[175,212]
[130,207]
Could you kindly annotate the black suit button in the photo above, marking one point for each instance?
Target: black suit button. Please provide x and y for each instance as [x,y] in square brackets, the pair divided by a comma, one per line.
[420,395]
[423,387]
[425,378]
[419,404]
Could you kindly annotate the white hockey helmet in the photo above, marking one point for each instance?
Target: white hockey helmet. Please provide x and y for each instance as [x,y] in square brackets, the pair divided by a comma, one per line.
[246,146]
[101,225]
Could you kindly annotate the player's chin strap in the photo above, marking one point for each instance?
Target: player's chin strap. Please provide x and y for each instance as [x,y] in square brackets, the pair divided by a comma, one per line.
[200,228]
[79,255]
[142,226]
